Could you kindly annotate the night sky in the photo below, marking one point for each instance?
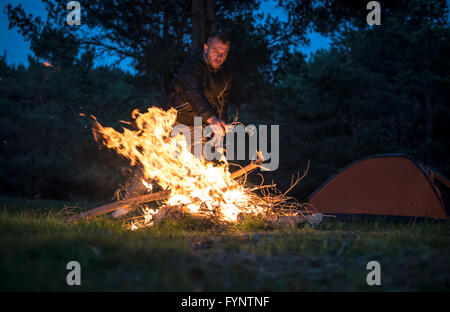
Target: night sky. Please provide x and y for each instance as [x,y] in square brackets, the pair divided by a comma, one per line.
[17,49]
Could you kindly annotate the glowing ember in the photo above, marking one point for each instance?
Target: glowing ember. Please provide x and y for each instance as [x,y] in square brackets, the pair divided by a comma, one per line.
[195,183]
[47,64]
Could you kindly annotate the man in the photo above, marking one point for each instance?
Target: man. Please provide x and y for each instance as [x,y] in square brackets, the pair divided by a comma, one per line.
[201,89]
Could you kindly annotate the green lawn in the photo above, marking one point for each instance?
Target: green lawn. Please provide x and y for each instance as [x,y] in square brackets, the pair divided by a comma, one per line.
[36,245]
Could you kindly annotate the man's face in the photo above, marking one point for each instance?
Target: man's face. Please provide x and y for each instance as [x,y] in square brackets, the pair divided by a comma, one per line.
[216,52]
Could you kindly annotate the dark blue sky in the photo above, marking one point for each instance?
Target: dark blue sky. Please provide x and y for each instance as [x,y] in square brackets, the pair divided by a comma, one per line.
[17,49]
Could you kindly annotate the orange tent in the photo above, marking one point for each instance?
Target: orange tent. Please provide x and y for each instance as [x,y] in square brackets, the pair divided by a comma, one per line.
[390,184]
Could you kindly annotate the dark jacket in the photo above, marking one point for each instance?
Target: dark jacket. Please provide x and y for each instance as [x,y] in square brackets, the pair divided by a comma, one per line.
[199,90]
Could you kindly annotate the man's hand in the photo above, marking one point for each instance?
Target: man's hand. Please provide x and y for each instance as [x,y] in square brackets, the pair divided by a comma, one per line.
[219,127]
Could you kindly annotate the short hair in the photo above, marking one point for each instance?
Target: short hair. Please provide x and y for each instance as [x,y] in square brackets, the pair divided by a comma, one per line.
[221,36]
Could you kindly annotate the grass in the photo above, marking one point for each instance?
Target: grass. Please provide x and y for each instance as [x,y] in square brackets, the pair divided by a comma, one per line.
[36,245]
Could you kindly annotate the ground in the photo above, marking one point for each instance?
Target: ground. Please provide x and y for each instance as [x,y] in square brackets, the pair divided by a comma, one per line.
[188,255]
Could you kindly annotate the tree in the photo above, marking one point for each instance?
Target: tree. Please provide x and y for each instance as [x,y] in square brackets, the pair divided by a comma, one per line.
[204,22]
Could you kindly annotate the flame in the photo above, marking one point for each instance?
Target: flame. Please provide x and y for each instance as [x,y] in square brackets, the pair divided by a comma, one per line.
[147,185]
[195,183]
[47,64]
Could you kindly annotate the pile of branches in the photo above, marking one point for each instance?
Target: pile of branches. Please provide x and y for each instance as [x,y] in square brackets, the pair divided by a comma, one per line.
[278,208]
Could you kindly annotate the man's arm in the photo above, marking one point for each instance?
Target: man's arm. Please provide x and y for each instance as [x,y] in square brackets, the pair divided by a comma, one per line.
[190,79]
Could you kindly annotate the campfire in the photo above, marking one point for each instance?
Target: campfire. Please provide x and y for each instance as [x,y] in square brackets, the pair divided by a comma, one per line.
[188,184]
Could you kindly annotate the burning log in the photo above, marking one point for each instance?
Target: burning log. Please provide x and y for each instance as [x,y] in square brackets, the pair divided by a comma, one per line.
[119,204]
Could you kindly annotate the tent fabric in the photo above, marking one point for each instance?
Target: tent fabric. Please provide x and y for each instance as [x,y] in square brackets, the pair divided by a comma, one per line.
[382,185]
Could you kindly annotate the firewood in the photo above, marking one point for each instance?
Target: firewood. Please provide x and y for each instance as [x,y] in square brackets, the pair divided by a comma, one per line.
[170,212]
[247,169]
[119,204]
[150,197]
